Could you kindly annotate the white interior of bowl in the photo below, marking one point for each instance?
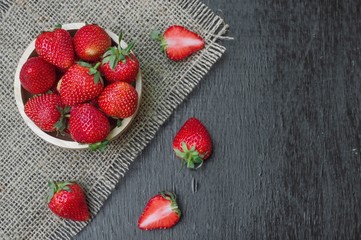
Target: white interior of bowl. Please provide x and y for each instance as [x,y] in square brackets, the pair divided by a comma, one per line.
[54,140]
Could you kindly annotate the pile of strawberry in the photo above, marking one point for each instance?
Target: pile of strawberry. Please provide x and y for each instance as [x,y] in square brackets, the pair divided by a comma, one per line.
[82,92]
[81,83]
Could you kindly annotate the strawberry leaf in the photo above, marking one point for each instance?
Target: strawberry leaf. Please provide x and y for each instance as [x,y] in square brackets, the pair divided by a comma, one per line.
[112,62]
[106,60]
[99,146]
[96,78]
[119,122]
[84,64]
[155,34]
[92,71]
[120,38]
[57,26]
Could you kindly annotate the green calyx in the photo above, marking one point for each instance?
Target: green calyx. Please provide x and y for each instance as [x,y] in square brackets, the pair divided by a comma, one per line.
[116,54]
[119,122]
[57,26]
[61,124]
[157,35]
[55,187]
[99,146]
[190,157]
[172,197]
[93,70]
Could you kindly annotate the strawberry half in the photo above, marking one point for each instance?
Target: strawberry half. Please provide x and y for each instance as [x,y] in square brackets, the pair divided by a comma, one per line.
[193,144]
[47,112]
[90,42]
[178,42]
[81,83]
[37,75]
[118,100]
[56,47]
[161,212]
[89,125]
[120,65]
[67,200]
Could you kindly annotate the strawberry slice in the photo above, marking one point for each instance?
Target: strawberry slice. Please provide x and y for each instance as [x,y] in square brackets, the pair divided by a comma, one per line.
[178,42]
[161,212]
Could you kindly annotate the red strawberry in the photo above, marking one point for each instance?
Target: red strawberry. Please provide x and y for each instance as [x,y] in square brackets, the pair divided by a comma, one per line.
[90,42]
[161,212]
[67,200]
[192,143]
[120,65]
[37,76]
[118,100]
[80,83]
[47,112]
[88,125]
[56,47]
[178,42]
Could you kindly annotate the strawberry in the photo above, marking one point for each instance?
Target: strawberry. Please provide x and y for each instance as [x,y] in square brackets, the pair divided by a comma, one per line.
[118,100]
[47,112]
[88,125]
[67,200]
[80,83]
[90,42]
[178,42]
[192,143]
[56,47]
[161,212]
[37,75]
[120,64]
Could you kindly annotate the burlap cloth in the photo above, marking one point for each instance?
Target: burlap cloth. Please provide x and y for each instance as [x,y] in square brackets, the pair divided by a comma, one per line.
[27,162]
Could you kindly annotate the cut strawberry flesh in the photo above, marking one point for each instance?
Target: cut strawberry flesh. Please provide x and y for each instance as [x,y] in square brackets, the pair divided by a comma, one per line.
[180,42]
[159,214]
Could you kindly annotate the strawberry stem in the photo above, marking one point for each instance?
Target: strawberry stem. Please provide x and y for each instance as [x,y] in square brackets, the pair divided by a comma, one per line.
[171,197]
[116,54]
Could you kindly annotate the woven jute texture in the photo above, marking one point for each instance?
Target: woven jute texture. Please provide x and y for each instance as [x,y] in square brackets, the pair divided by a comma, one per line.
[27,162]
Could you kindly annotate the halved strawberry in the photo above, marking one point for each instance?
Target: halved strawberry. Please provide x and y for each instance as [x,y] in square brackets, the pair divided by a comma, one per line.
[178,42]
[161,212]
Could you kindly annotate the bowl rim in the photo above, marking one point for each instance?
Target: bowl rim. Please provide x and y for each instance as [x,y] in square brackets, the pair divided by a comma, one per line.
[114,133]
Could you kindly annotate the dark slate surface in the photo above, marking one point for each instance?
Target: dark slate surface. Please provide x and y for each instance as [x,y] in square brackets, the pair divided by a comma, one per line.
[283,108]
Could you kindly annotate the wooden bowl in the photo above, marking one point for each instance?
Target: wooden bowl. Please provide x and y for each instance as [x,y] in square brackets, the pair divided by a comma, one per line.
[65,141]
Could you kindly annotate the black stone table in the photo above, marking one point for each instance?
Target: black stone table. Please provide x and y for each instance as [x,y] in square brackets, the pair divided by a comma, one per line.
[283,108]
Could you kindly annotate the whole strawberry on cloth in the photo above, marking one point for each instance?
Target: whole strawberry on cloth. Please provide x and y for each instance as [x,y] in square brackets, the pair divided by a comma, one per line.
[81,83]
[47,111]
[161,212]
[56,47]
[178,42]
[37,76]
[120,64]
[67,200]
[192,144]
[90,42]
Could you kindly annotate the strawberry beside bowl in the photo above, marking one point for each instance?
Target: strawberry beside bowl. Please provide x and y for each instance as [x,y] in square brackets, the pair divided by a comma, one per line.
[65,140]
